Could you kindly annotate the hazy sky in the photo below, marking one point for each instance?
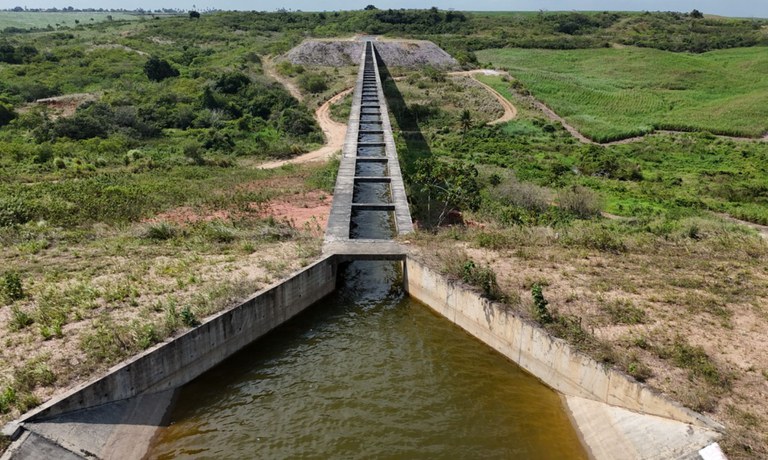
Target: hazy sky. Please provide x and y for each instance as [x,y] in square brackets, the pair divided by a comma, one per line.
[748,8]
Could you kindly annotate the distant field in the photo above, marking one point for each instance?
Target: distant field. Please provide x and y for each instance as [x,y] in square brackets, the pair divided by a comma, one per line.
[611,94]
[26,20]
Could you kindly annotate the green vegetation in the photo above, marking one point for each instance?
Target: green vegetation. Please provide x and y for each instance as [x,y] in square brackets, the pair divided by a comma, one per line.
[529,164]
[612,94]
[23,20]
[130,208]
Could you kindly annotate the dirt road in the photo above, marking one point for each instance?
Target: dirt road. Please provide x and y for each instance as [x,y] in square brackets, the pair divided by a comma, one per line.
[334,136]
[510,111]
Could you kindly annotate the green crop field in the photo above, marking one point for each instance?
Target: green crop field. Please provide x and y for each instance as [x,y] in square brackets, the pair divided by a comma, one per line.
[612,94]
[27,20]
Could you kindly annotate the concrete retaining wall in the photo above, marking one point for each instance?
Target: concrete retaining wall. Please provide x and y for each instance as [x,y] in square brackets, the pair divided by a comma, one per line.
[550,359]
[178,361]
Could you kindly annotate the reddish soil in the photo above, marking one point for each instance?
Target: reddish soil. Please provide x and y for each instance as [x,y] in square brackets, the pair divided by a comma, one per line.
[306,211]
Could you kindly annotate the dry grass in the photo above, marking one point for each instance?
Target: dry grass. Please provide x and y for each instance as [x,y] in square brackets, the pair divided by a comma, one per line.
[91,301]
[687,313]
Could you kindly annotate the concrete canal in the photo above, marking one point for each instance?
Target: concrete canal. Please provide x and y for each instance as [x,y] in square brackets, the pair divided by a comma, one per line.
[368,373]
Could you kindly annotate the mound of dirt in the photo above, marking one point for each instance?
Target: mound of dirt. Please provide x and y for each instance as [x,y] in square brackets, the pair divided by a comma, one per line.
[395,53]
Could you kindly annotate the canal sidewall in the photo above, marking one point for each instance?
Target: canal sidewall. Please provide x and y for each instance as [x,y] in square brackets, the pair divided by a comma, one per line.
[181,359]
[550,359]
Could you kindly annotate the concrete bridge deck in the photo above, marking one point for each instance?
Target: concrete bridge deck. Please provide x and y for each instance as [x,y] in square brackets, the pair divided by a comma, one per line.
[368,157]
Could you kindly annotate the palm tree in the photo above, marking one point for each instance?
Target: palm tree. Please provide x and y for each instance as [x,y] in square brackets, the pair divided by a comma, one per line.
[465,121]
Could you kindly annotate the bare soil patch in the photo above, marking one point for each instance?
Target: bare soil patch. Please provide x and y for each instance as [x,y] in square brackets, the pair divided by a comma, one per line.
[62,106]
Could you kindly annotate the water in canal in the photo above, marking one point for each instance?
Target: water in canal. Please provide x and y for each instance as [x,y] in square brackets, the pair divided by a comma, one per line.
[368,373]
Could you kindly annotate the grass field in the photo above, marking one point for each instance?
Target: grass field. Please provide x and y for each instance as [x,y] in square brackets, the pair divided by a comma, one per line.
[611,94]
[27,20]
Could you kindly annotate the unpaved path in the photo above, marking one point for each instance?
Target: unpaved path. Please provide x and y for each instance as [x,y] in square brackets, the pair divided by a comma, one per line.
[762,230]
[510,111]
[269,68]
[552,115]
[334,132]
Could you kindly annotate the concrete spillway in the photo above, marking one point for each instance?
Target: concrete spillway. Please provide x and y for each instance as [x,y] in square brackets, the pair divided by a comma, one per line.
[369,202]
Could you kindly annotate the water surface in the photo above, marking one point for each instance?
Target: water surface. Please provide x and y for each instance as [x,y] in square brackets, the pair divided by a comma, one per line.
[368,373]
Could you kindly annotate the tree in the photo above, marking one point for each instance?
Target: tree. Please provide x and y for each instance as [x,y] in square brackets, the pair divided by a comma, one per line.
[370,8]
[696,14]
[6,114]
[453,184]
[465,121]
[194,15]
[158,69]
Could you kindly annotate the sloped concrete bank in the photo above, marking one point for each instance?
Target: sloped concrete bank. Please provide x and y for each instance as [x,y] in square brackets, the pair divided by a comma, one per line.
[115,415]
[617,417]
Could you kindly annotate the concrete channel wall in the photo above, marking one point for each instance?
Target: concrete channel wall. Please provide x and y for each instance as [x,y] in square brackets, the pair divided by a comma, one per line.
[550,359]
[178,361]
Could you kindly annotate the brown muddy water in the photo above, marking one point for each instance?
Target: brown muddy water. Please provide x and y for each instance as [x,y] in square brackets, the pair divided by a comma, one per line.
[368,373]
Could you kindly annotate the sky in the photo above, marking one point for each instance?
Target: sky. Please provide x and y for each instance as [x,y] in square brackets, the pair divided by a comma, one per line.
[737,8]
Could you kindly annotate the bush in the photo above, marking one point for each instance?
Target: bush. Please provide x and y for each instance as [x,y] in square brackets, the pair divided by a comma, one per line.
[157,69]
[13,211]
[160,231]
[580,201]
[10,287]
[540,305]
[312,82]
[6,113]
[524,195]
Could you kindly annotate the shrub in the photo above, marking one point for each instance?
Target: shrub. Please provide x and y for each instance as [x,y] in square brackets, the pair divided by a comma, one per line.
[540,305]
[312,82]
[13,211]
[160,231]
[10,287]
[524,195]
[638,369]
[7,399]
[32,374]
[580,201]
[157,69]
[19,319]
[188,317]
[6,113]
